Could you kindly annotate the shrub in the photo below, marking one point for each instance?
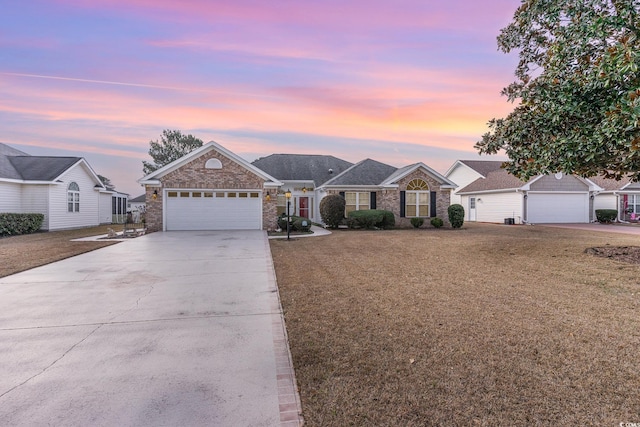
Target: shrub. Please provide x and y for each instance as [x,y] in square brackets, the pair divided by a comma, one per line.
[437,222]
[368,218]
[388,220]
[606,215]
[417,222]
[332,210]
[301,224]
[456,215]
[13,224]
[296,223]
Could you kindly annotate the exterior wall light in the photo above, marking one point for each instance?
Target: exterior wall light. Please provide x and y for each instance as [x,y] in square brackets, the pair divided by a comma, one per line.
[155,194]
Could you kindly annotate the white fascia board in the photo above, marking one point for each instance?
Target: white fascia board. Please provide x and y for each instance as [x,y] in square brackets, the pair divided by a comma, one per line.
[85,165]
[151,182]
[211,145]
[351,187]
[503,190]
[437,176]
[592,185]
[22,181]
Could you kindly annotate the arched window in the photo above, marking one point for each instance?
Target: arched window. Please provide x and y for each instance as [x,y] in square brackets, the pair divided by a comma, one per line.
[417,198]
[213,164]
[73,197]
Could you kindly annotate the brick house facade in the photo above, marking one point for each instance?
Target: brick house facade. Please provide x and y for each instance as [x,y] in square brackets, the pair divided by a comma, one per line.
[212,188]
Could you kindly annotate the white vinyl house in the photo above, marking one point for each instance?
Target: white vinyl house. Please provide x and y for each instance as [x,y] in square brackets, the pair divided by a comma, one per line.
[490,194]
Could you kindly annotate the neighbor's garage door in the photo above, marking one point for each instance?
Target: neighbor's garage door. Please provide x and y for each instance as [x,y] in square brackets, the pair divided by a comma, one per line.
[564,207]
[213,210]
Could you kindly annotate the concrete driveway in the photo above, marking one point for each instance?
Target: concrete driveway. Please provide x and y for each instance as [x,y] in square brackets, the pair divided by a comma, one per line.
[168,329]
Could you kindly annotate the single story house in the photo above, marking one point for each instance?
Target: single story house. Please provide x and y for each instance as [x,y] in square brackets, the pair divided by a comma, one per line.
[623,195]
[490,194]
[212,188]
[65,190]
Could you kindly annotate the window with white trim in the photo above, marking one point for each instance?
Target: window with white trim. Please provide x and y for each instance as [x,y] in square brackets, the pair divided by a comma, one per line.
[73,197]
[633,204]
[417,198]
[356,201]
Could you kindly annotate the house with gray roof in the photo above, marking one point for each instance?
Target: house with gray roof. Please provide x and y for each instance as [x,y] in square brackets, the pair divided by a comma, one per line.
[65,190]
[212,188]
[490,194]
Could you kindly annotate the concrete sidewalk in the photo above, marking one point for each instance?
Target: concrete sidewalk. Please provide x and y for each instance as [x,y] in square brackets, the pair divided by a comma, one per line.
[181,328]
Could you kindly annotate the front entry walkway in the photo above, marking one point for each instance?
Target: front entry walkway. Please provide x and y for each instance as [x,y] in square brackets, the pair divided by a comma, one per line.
[177,328]
[596,226]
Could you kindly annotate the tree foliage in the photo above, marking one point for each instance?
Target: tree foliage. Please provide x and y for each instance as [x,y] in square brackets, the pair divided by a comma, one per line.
[577,90]
[172,145]
[106,182]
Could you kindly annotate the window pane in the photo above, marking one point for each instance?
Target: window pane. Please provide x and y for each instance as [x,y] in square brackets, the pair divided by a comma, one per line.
[207,194]
[350,198]
[411,198]
[411,210]
[184,194]
[172,194]
[255,195]
[350,208]
[196,194]
[423,210]
[243,195]
[424,198]
[219,194]
[70,207]
[231,194]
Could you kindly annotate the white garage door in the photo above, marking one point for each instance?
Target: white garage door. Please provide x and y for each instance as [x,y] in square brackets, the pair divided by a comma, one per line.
[557,208]
[213,210]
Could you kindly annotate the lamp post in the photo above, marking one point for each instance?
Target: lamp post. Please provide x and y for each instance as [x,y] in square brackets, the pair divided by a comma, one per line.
[288,196]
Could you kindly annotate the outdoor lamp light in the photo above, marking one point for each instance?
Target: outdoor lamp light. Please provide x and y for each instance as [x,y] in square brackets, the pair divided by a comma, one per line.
[304,189]
[268,196]
[155,194]
[288,196]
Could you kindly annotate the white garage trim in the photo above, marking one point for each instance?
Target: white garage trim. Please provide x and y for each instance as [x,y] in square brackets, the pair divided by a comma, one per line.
[557,207]
[212,209]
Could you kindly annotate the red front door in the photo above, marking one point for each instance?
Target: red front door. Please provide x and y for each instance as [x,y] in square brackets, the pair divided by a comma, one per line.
[304,207]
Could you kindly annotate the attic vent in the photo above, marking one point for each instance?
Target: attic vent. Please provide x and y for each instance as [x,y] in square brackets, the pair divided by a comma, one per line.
[330,171]
[213,164]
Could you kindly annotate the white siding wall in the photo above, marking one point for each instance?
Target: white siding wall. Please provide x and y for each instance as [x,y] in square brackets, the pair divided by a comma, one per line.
[462,176]
[105,208]
[495,207]
[35,199]
[604,201]
[10,195]
[89,201]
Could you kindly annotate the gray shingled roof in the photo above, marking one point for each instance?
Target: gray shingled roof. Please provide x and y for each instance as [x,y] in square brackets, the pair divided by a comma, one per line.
[609,184]
[16,164]
[483,167]
[498,179]
[366,172]
[7,170]
[302,167]
[140,199]
[41,168]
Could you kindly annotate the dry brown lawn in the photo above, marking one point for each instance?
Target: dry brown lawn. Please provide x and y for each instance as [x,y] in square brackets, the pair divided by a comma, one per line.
[19,253]
[488,325]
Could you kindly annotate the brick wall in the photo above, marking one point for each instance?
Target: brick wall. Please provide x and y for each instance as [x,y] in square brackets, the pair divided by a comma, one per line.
[194,175]
[390,199]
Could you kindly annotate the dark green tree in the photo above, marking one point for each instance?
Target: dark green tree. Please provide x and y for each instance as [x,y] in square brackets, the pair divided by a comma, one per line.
[106,182]
[577,90]
[332,210]
[172,145]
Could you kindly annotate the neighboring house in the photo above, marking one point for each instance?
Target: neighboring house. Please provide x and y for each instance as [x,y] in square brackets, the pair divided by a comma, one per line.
[137,207]
[113,207]
[622,195]
[212,188]
[489,193]
[65,190]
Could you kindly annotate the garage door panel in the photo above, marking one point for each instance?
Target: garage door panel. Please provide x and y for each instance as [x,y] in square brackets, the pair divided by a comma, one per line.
[216,211]
[557,208]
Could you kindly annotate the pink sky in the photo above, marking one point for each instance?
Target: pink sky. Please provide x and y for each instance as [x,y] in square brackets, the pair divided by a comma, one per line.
[398,82]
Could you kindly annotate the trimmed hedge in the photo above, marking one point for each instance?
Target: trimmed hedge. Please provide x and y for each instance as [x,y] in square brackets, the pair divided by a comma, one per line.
[296,223]
[13,224]
[417,222]
[437,222]
[606,215]
[456,215]
[371,218]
